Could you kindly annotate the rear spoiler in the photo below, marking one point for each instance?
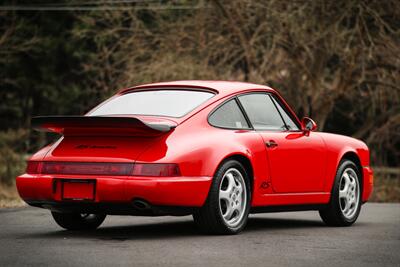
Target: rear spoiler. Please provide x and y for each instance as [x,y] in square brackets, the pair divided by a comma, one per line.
[99,125]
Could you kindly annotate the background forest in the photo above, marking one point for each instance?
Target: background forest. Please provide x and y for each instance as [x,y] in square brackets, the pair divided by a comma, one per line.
[335,61]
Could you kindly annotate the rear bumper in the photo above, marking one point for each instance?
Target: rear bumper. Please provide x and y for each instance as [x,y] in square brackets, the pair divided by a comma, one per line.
[111,208]
[368,182]
[117,192]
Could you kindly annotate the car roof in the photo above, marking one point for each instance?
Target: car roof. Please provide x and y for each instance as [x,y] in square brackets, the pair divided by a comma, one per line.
[221,87]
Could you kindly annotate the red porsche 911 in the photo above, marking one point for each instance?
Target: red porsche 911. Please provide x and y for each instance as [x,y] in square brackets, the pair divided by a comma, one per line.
[217,150]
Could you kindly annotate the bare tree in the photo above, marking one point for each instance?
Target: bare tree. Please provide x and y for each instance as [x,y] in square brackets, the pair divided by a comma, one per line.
[317,53]
[12,44]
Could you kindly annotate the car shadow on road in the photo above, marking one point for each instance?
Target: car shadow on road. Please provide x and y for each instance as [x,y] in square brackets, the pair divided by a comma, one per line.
[178,229]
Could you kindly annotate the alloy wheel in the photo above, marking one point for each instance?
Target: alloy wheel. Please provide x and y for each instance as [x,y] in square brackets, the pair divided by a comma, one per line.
[349,193]
[232,197]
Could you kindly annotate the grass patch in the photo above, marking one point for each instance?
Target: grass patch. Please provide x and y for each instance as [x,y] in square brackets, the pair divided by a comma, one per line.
[9,197]
[386,185]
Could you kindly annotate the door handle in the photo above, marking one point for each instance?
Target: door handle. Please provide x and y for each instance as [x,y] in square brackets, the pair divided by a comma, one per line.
[271,143]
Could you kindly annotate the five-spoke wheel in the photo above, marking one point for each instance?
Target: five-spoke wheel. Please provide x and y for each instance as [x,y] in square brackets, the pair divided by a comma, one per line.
[232,197]
[345,204]
[349,189]
[228,204]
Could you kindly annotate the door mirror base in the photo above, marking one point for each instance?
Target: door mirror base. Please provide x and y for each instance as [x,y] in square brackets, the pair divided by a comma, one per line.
[308,125]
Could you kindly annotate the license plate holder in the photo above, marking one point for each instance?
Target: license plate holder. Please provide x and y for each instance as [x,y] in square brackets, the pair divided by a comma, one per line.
[78,189]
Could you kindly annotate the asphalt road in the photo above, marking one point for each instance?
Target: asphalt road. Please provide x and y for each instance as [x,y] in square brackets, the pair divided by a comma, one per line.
[28,236]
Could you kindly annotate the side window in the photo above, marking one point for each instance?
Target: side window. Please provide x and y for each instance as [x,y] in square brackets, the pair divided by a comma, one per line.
[228,115]
[288,120]
[262,112]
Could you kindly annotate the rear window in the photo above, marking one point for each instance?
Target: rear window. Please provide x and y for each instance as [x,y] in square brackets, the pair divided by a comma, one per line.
[171,103]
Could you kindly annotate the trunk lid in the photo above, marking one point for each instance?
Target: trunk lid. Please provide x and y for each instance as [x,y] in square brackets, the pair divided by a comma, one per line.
[102,139]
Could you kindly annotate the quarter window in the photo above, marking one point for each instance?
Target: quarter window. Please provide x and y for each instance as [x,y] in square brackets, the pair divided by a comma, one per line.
[262,112]
[228,115]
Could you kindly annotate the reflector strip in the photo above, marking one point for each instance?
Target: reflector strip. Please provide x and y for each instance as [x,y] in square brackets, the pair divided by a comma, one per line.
[90,168]
[104,168]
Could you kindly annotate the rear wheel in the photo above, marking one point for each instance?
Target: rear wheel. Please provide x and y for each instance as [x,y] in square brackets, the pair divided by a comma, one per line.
[227,207]
[78,221]
[345,203]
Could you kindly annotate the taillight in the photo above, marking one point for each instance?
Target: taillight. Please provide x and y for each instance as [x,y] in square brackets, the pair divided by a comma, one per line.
[101,168]
[90,168]
[156,169]
[32,167]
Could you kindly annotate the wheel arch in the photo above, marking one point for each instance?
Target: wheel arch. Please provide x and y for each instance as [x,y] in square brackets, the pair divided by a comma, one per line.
[245,161]
[352,156]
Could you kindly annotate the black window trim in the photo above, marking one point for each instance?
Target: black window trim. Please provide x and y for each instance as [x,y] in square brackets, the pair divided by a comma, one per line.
[250,128]
[172,88]
[280,115]
[274,99]
[271,95]
[244,113]
[246,117]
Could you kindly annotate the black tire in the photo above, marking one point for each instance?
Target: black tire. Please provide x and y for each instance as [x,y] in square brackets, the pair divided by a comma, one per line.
[77,221]
[209,218]
[333,215]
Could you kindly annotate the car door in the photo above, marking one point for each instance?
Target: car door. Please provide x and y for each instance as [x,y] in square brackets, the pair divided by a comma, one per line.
[297,161]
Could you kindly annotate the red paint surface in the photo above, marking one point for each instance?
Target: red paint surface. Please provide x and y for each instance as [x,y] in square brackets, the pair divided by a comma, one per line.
[300,170]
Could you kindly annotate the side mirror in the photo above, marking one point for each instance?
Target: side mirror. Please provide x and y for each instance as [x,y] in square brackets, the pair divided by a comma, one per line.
[308,125]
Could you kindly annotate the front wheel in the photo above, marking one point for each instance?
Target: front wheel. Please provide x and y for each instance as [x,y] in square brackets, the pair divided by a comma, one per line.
[78,221]
[228,204]
[345,204]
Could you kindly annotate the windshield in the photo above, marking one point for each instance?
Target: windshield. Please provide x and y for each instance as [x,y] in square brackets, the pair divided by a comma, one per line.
[171,103]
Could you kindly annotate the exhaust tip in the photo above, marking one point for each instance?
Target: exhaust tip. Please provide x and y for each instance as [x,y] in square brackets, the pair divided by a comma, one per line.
[141,204]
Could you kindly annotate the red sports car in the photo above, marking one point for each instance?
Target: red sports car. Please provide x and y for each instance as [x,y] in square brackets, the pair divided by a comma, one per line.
[217,150]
